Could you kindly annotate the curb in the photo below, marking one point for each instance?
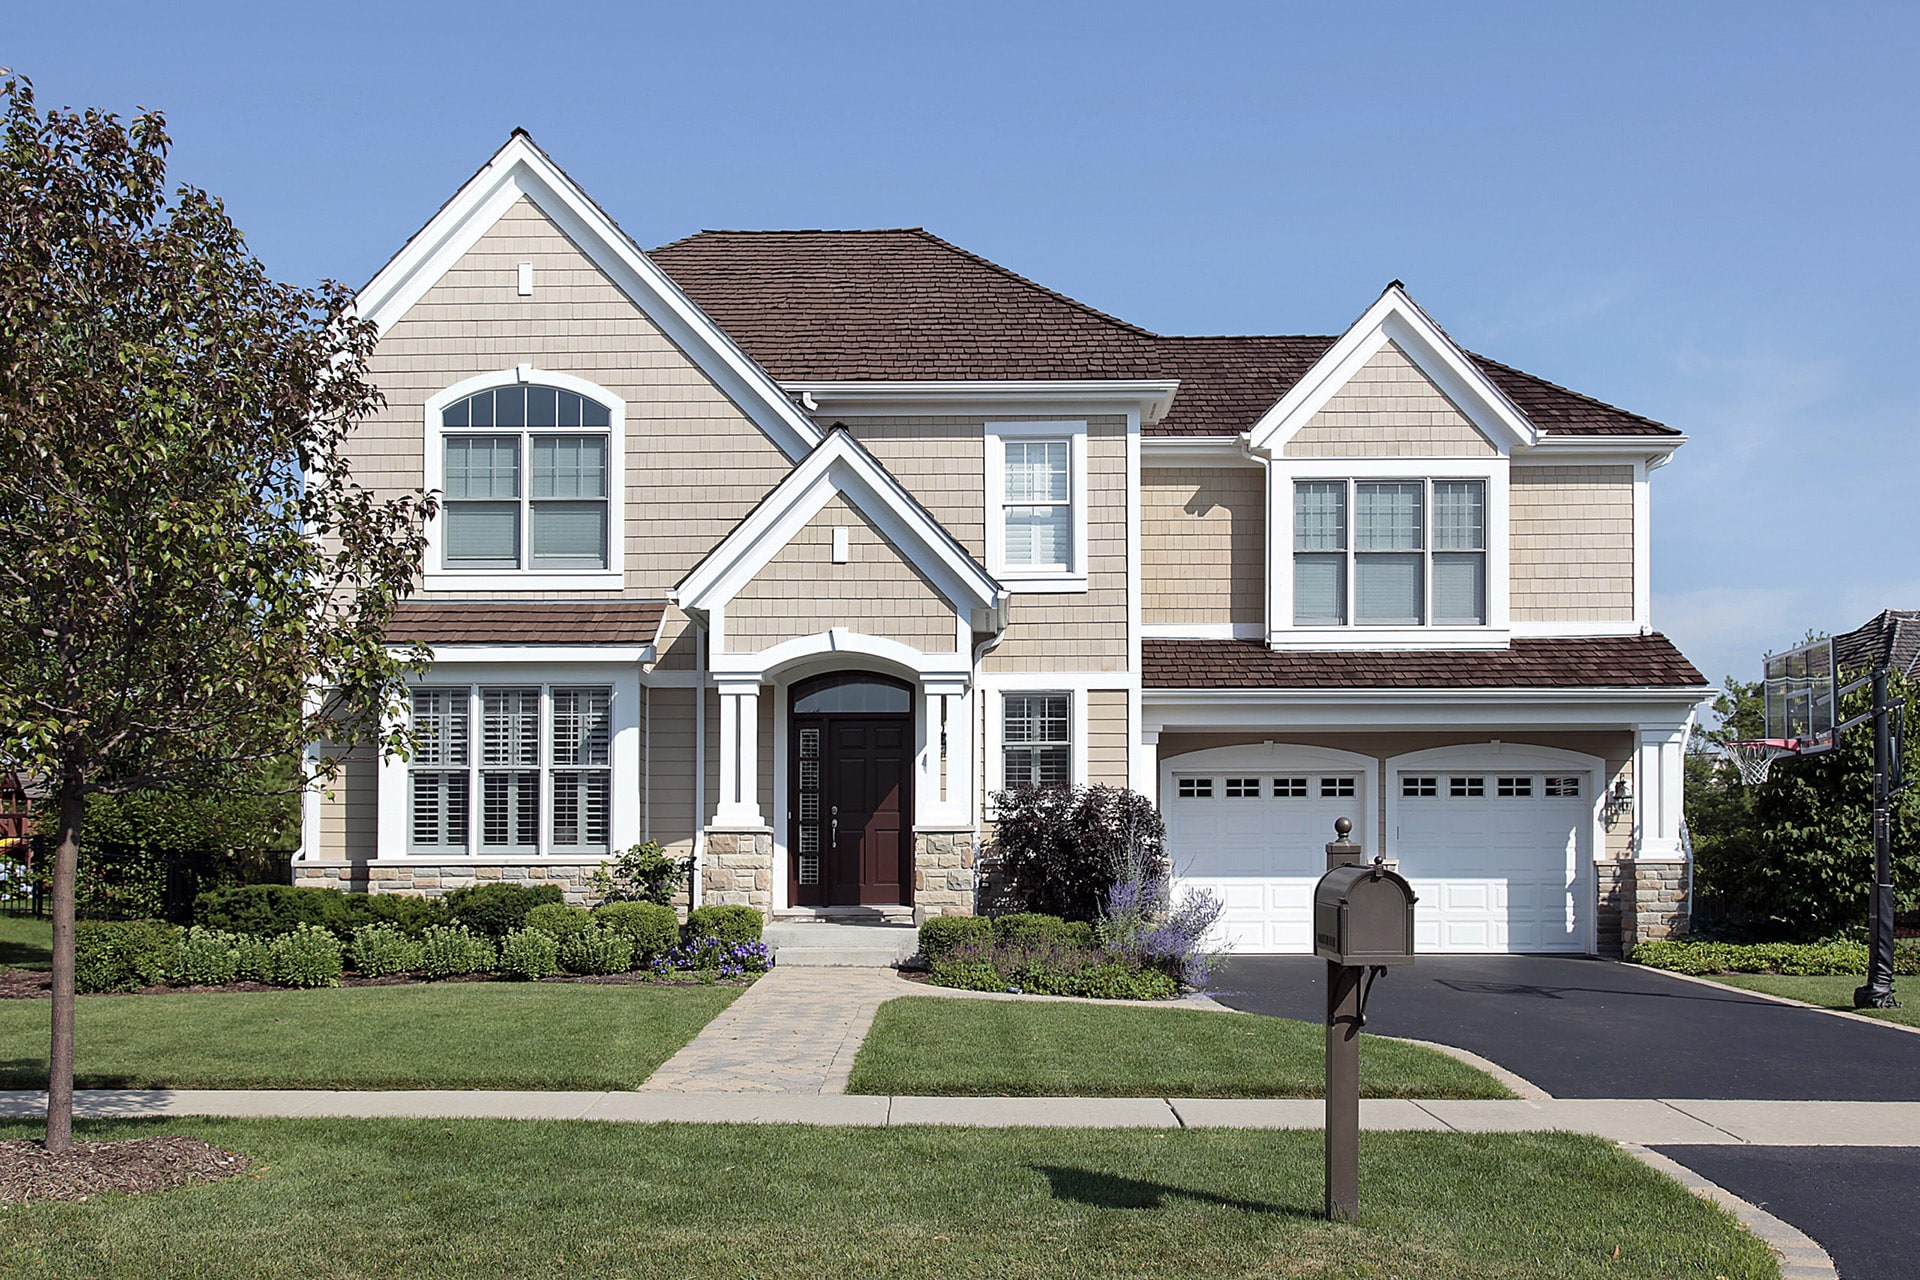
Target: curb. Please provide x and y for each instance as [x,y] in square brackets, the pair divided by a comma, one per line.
[1522,1087]
[1800,1257]
[1864,1018]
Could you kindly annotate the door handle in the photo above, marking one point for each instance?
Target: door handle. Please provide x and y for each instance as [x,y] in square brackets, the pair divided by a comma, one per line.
[836,826]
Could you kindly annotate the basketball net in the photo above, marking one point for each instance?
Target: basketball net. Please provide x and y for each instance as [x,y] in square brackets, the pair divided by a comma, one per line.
[1754,760]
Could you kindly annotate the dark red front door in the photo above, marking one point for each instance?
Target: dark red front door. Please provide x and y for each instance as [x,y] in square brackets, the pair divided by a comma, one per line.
[850,837]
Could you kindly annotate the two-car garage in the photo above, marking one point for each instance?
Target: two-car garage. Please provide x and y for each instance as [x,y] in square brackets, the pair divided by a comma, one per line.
[1497,839]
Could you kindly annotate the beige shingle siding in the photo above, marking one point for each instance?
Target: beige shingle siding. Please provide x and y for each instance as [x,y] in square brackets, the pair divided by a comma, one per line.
[1107,737]
[350,816]
[1203,545]
[670,754]
[801,591]
[941,461]
[1082,631]
[1572,540]
[1390,409]
[695,464]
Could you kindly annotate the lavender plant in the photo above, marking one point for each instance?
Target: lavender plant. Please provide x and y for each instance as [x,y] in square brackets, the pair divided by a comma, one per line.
[1140,923]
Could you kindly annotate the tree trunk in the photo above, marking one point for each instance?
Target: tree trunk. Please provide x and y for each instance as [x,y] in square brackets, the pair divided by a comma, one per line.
[66,864]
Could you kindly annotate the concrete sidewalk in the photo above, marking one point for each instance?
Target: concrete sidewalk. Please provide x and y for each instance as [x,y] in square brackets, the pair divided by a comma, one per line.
[1640,1121]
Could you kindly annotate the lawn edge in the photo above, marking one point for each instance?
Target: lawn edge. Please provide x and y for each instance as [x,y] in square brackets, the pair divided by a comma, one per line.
[1799,1254]
[1848,1014]
[1518,1085]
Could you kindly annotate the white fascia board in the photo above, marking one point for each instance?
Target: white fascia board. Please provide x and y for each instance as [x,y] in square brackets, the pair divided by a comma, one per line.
[462,655]
[521,169]
[1152,397]
[1572,450]
[1197,451]
[837,466]
[1395,317]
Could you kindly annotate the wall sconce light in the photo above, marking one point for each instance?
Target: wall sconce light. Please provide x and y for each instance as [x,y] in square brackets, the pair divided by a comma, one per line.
[1619,800]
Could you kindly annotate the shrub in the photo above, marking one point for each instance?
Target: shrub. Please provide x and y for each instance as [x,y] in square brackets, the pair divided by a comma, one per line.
[450,950]
[1139,924]
[558,920]
[253,960]
[715,958]
[941,934]
[382,949]
[269,910]
[207,957]
[652,928]
[1059,849]
[596,950]
[1046,967]
[1115,981]
[499,908]
[310,956]
[643,873]
[412,916]
[729,924]
[121,955]
[529,954]
[1033,926]
[1796,959]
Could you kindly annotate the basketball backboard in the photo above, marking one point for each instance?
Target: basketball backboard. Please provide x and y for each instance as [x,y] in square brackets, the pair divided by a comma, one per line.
[1802,702]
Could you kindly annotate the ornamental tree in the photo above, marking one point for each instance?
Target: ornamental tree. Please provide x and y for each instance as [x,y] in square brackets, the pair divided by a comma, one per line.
[195,586]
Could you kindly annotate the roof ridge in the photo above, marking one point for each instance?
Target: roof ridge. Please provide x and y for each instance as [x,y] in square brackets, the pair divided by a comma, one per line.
[1578,395]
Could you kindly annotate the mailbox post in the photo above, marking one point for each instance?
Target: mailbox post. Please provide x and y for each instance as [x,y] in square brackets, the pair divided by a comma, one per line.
[1362,922]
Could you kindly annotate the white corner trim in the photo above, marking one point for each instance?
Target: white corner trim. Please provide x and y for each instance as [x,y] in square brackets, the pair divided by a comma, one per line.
[1151,398]
[1394,317]
[521,169]
[1073,577]
[837,466]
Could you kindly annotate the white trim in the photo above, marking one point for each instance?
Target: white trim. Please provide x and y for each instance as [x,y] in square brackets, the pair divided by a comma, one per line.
[1197,451]
[1016,578]
[1578,630]
[1342,710]
[1204,631]
[837,649]
[520,168]
[1573,450]
[838,466]
[1135,602]
[540,654]
[1150,398]
[1492,472]
[1642,548]
[439,578]
[1394,317]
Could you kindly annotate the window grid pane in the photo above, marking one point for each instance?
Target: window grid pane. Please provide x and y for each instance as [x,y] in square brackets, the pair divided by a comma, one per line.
[569,535]
[1387,590]
[510,727]
[1319,590]
[1459,515]
[440,726]
[581,809]
[1320,515]
[569,466]
[438,806]
[563,509]
[1037,536]
[1387,517]
[510,810]
[1037,749]
[1460,588]
[1036,470]
[483,467]
[582,726]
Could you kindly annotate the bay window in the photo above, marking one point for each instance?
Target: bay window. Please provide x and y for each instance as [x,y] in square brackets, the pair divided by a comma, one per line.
[1390,553]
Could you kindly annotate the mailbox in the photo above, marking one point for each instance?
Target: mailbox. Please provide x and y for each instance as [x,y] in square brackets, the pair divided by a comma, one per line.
[1363,915]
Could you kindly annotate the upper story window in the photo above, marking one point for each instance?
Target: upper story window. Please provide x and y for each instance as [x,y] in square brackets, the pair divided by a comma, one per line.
[527,472]
[1390,553]
[1036,504]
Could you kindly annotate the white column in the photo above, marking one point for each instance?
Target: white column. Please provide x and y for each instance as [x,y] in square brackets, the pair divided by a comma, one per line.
[739,755]
[1146,765]
[943,790]
[1659,779]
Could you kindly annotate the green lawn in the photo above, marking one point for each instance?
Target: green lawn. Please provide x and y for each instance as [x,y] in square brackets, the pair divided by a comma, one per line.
[941,1046]
[25,943]
[1830,993]
[492,1035]
[435,1200]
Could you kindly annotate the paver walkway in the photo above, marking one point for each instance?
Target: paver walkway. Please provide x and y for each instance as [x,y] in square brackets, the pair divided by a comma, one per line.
[796,1030]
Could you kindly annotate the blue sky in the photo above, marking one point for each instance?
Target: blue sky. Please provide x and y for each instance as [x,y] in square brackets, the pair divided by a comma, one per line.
[1702,212]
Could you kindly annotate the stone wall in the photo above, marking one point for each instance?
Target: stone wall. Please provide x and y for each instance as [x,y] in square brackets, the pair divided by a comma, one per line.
[432,880]
[943,873]
[1640,902]
[738,870]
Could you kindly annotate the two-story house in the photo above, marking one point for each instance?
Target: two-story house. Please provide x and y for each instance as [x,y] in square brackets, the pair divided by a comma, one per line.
[788,549]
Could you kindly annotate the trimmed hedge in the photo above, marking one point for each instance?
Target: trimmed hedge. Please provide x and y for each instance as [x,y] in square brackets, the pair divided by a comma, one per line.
[269,910]
[596,951]
[1035,926]
[497,909]
[729,924]
[122,955]
[1794,959]
[529,954]
[941,934]
[558,920]
[1048,969]
[652,928]
[379,950]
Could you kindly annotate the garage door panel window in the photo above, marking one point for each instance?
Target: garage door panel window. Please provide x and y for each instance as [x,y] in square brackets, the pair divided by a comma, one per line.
[1243,788]
[1414,786]
[1196,788]
[1289,788]
[1518,788]
[1567,786]
[1470,788]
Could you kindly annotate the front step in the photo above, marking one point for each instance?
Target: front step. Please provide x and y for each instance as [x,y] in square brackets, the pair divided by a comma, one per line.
[832,944]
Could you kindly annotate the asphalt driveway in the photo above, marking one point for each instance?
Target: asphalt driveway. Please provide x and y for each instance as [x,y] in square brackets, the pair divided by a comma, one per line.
[1583,1028]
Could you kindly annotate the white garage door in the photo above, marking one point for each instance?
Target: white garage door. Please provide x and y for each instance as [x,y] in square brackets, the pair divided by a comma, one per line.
[1258,840]
[1500,860]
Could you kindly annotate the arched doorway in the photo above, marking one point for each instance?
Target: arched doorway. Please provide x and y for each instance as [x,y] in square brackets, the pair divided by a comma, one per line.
[850,824]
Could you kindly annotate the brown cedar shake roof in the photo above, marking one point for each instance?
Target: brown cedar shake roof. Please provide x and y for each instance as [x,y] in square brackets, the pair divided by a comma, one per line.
[433,622]
[1648,661]
[905,305]
[1890,639]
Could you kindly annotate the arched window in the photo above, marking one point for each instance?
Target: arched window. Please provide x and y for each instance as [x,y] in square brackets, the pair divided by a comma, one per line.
[852,693]
[527,480]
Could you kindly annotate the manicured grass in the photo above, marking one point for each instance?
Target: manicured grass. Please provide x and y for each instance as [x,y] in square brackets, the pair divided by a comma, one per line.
[1830,993]
[480,1199]
[942,1046]
[25,943]
[493,1035]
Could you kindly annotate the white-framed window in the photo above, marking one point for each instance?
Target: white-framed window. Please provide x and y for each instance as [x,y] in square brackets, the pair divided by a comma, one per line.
[1390,552]
[1036,496]
[507,770]
[1036,740]
[528,467]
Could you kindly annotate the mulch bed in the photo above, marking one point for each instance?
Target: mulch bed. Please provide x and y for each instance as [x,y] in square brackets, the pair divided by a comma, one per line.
[33,984]
[29,1172]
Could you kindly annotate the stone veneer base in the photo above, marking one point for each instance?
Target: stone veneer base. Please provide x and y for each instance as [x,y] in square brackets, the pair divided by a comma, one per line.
[1641,902]
[943,873]
[433,879]
[737,870]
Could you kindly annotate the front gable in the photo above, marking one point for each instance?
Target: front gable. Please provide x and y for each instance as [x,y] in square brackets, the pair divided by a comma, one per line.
[1391,408]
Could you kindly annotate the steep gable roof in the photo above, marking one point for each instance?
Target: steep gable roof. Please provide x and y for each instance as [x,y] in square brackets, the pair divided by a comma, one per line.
[905,305]
[1891,639]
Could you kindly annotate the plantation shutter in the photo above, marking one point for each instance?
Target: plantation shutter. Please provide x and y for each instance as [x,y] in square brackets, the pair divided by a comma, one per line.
[1035,740]
[509,769]
[582,780]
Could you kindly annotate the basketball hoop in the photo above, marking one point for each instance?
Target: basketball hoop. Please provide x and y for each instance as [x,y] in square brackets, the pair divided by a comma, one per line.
[1754,759]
